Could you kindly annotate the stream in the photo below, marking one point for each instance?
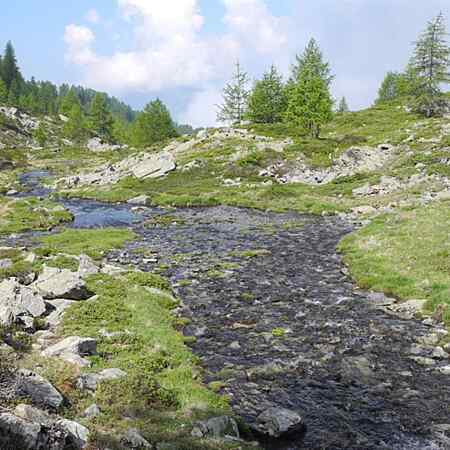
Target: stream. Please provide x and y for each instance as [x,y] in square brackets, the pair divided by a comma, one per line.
[279,322]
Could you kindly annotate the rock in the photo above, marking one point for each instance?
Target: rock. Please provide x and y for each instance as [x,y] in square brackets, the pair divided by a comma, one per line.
[423,361]
[92,411]
[97,145]
[133,440]
[364,210]
[18,300]
[72,349]
[55,283]
[154,166]
[109,269]
[89,381]
[357,368]
[279,423]
[217,427]
[18,433]
[32,414]
[203,134]
[87,266]
[439,353]
[38,390]
[409,309]
[79,433]
[59,305]
[141,200]
[445,370]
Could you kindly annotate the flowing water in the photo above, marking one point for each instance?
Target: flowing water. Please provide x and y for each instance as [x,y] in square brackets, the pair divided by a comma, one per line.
[278,320]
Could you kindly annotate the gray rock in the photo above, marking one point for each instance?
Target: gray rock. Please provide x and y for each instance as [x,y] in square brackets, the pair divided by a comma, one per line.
[18,433]
[60,305]
[280,423]
[72,349]
[78,432]
[17,300]
[439,353]
[217,427]
[92,411]
[89,381]
[357,368]
[38,390]
[133,440]
[32,414]
[445,370]
[55,283]
[139,200]
[87,266]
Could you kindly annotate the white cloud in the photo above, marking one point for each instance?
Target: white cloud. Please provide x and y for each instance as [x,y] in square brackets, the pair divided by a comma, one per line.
[202,108]
[171,50]
[92,16]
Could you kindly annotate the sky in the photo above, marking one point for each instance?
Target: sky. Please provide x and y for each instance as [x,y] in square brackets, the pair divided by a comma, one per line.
[184,51]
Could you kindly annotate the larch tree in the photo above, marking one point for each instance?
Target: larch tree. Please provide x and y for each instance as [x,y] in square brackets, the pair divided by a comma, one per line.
[75,128]
[343,106]
[154,124]
[431,61]
[3,92]
[101,119]
[310,104]
[267,101]
[235,97]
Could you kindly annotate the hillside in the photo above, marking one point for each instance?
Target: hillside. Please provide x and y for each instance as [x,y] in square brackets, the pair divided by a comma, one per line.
[165,297]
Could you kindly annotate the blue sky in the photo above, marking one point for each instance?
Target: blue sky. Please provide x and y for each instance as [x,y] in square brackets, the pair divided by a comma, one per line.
[183,50]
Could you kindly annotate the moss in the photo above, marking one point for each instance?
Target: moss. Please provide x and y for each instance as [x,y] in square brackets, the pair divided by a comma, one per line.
[278,332]
[252,253]
[90,242]
[64,262]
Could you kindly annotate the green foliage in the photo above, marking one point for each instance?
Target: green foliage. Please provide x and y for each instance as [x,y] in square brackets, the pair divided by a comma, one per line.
[3,92]
[267,101]
[90,242]
[10,70]
[40,134]
[101,120]
[431,61]
[405,255]
[235,98]
[75,128]
[68,102]
[153,125]
[343,106]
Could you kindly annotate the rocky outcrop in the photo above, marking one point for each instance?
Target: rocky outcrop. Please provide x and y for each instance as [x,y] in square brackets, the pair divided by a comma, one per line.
[142,166]
[18,302]
[55,283]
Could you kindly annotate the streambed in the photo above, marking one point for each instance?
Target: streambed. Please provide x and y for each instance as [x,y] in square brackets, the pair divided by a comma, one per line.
[278,322]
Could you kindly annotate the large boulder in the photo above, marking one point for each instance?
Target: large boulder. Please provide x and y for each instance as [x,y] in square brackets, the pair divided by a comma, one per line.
[73,349]
[55,283]
[17,300]
[40,391]
[279,423]
[78,432]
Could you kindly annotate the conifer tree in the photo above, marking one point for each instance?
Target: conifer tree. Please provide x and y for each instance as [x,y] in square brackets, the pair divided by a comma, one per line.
[311,57]
[309,99]
[40,135]
[431,62]
[267,101]
[68,101]
[153,125]
[3,92]
[10,69]
[14,92]
[75,128]
[235,96]
[101,120]
[343,106]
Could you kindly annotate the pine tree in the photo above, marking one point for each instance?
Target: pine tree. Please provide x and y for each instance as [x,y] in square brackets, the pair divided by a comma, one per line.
[267,101]
[309,99]
[14,92]
[235,96]
[431,61]
[10,69]
[153,125]
[343,106]
[312,56]
[75,127]
[3,92]
[101,120]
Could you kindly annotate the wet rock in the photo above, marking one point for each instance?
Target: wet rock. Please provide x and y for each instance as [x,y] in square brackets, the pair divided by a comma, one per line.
[38,390]
[217,427]
[72,349]
[134,440]
[55,283]
[18,300]
[279,423]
